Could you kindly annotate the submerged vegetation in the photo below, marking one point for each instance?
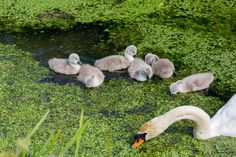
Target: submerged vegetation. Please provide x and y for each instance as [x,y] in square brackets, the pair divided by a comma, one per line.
[197,36]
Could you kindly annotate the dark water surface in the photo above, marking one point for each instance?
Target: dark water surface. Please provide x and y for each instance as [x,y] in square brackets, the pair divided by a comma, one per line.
[89,43]
[55,43]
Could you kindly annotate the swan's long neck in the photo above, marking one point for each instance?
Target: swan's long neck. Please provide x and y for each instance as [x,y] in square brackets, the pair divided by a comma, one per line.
[201,118]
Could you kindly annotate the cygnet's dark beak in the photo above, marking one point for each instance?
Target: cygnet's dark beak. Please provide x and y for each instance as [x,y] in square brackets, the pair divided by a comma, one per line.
[79,62]
[171,94]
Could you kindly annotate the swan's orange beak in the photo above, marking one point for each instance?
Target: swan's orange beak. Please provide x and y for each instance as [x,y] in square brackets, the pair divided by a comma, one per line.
[138,142]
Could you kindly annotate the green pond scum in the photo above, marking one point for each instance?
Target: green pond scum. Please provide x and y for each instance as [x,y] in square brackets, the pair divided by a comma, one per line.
[197,35]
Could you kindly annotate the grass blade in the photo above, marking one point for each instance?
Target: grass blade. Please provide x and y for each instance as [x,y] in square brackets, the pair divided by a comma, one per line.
[43,150]
[79,137]
[47,147]
[35,143]
[108,142]
[81,118]
[37,125]
[52,143]
[23,144]
[73,139]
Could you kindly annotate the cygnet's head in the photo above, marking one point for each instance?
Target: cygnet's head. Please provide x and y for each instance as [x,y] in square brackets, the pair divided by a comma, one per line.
[131,50]
[151,58]
[74,59]
[175,87]
[146,71]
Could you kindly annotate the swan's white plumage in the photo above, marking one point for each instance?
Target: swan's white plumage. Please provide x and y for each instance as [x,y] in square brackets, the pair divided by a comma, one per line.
[223,123]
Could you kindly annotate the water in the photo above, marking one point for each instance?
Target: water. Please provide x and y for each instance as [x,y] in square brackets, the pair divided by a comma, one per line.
[90,43]
[54,43]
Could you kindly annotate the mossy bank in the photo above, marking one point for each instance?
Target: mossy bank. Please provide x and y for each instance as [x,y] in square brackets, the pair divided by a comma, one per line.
[196,39]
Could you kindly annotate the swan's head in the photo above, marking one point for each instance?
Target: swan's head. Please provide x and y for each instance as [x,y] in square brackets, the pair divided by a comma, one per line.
[175,87]
[131,50]
[151,58]
[149,130]
[74,59]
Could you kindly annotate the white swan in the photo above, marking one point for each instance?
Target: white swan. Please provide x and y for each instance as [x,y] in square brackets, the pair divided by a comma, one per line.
[222,123]
[117,62]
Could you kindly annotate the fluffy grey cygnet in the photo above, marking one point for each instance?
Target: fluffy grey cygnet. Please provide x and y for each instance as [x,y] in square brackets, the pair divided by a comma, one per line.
[163,68]
[117,62]
[91,76]
[192,83]
[68,66]
[139,70]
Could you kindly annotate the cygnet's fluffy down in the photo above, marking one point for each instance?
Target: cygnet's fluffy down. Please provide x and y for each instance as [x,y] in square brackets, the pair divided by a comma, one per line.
[139,70]
[68,66]
[90,76]
[117,62]
[192,83]
[163,68]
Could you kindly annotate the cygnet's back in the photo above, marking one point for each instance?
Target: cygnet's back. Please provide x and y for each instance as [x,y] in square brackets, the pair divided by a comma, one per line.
[68,66]
[163,68]
[112,63]
[91,76]
[192,83]
[140,70]
[117,62]
[198,81]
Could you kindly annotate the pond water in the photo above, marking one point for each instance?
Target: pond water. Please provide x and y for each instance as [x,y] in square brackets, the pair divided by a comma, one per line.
[89,43]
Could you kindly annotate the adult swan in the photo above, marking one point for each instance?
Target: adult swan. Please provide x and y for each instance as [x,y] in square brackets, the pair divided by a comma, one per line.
[222,123]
